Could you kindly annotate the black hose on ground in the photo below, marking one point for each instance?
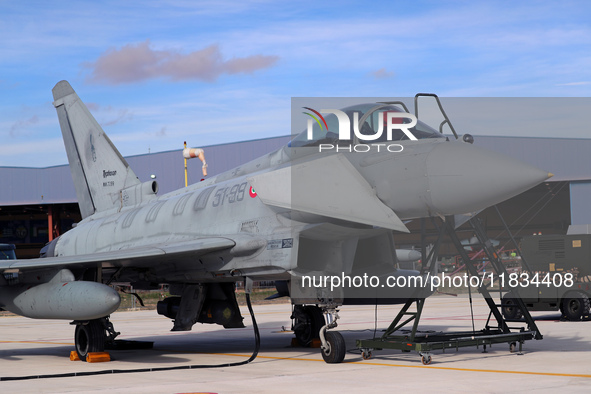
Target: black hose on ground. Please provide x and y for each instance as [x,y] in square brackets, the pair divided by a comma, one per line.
[257,341]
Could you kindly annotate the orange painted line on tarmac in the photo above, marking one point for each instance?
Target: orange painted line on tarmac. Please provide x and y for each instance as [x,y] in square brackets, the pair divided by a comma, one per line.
[40,342]
[569,375]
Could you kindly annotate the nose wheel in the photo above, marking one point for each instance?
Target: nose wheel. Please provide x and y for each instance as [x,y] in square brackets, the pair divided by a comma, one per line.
[335,350]
[332,342]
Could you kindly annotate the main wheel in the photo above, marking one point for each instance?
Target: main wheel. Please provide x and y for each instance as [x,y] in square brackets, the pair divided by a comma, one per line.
[575,305]
[308,320]
[511,311]
[89,338]
[336,348]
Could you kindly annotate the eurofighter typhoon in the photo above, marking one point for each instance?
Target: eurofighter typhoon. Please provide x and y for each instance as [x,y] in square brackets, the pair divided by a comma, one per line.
[322,204]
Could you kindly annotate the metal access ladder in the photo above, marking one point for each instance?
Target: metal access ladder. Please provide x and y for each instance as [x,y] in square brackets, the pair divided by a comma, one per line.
[495,331]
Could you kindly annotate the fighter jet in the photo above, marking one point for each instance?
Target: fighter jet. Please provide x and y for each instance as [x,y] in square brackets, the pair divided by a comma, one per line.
[321,204]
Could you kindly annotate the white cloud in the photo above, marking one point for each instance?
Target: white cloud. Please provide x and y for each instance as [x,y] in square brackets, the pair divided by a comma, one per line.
[108,115]
[22,125]
[134,63]
[574,83]
[27,153]
[382,73]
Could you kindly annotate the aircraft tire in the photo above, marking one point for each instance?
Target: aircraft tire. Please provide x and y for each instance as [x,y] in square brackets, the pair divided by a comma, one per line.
[89,338]
[309,320]
[575,305]
[336,351]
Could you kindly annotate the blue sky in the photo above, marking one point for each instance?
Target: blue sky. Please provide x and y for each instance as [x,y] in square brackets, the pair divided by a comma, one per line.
[156,73]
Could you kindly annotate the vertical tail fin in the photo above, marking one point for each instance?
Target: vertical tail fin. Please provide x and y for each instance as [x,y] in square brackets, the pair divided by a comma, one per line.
[98,169]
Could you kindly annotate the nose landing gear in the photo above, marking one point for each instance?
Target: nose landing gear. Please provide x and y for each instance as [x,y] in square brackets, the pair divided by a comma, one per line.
[333,344]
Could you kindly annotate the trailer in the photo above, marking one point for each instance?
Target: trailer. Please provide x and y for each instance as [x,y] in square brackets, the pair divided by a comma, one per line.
[558,275]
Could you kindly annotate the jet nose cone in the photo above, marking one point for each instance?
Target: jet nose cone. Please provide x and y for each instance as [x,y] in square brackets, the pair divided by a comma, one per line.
[464,178]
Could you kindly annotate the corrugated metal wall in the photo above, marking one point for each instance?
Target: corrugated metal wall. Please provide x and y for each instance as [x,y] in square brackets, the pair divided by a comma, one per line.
[25,186]
[580,198]
[52,185]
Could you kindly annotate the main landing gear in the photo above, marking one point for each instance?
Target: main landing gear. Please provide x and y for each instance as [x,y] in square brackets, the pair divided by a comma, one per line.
[307,322]
[92,336]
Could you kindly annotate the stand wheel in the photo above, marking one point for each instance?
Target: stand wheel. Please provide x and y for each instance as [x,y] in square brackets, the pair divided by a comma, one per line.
[89,338]
[366,354]
[336,348]
[426,359]
[512,347]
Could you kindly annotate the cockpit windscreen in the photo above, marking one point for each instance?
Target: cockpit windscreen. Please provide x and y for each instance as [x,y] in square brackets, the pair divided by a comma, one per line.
[372,120]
